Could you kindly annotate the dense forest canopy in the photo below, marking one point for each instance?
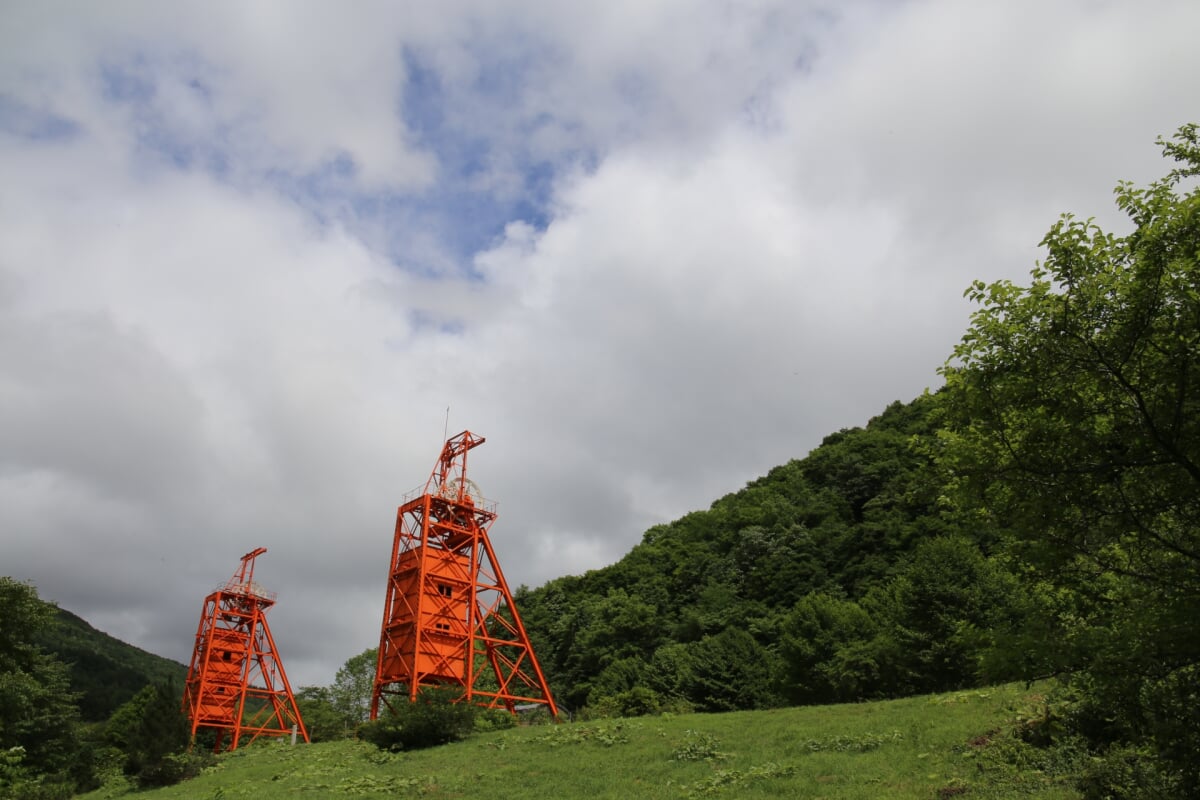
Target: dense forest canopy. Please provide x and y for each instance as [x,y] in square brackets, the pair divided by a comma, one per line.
[39,738]
[105,672]
[76,703]
[1073,426]
[835,577]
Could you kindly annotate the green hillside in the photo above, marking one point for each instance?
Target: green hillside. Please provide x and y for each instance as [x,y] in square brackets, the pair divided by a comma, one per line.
[932,746]
[835,577]
[104,671]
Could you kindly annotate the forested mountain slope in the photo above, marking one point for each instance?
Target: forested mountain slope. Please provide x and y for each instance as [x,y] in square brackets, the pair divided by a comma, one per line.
[104,671]
[801,587]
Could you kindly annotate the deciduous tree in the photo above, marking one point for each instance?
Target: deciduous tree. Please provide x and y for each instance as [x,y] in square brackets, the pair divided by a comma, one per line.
[1075,424]
[352,686]
[38,717]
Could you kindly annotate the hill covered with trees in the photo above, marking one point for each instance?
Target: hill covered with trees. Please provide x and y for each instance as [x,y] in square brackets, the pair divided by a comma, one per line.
[104,671]
[76,703]
[834,577]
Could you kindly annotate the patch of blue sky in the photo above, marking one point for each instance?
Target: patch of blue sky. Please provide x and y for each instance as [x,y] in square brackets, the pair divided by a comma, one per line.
[22,120]
[160,140]
[423,98]
[127,81]
[424,321]
[327,191]
[488,176]
[463,219]
[482,185]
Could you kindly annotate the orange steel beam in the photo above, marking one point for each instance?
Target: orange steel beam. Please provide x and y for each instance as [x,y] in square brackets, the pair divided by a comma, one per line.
[449,618]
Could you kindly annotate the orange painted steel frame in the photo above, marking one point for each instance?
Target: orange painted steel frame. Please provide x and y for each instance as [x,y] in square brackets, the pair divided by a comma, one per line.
[236,684]
[449,618]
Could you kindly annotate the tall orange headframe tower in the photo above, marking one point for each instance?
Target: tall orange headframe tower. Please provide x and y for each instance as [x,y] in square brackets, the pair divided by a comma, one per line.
[449,619]
[236,684]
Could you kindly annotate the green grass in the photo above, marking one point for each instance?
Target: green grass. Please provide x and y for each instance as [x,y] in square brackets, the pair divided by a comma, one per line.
[939,746]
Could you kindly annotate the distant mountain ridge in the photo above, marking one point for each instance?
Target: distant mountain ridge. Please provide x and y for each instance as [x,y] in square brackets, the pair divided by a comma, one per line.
[105,671]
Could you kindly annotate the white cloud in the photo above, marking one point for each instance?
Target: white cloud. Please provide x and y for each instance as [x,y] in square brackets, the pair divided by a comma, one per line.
[274,86]
[756,225]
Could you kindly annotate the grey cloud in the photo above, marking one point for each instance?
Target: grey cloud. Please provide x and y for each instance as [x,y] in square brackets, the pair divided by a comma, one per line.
[82,397]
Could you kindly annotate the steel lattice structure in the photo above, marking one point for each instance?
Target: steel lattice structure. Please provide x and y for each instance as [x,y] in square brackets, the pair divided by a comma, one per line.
[449,617]
[236,684]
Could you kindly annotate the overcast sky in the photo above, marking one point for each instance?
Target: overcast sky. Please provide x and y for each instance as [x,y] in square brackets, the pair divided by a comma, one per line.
[251,253]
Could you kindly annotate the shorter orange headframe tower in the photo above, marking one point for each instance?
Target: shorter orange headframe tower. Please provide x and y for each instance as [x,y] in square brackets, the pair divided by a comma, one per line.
[449,618]
[236,684]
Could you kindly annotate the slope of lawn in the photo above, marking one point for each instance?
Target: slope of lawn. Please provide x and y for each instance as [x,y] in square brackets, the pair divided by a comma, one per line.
[946,745]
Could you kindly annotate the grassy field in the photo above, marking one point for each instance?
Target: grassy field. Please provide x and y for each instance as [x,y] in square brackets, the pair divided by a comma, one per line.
[940,746]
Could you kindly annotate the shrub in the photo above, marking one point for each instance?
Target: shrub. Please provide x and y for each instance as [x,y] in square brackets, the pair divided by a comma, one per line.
[698,746]
[173,768]
[636,702]
[152,733]
[437,717]
[493,719]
